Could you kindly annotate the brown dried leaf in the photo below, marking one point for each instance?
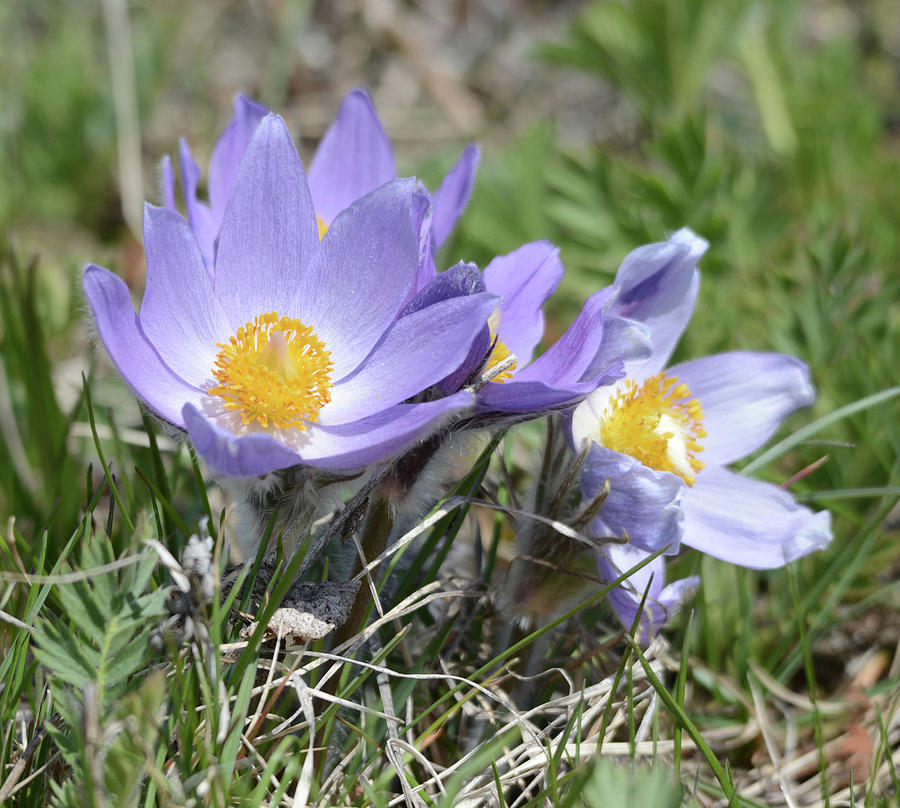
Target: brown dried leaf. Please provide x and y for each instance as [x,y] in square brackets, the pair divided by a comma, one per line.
[855,752]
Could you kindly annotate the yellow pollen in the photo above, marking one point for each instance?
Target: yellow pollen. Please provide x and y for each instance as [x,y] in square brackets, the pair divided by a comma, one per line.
[323,228]
[274,371]
[499,353]
[657,423]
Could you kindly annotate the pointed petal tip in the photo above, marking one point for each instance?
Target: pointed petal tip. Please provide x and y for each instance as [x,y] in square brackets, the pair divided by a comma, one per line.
[806,390]
[186,158]
[243,103]
[696,243]
[354,157]
[92,276]
[749,522]
[360,93]
[166,174]
[272,124]
[452,195]
[814,534]
[158,213]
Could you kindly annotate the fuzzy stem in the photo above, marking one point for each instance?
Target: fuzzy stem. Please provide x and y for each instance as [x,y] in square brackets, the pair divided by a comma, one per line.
[373,541]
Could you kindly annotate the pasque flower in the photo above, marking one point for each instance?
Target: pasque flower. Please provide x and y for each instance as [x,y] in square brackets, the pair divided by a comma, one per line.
[661,439]
[353,158]
[288,350]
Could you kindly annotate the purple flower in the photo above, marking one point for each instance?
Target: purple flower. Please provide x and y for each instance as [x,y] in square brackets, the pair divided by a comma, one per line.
[661,603]
[290,350]
[353,158]
[663,438]
[569,369]
[511,385]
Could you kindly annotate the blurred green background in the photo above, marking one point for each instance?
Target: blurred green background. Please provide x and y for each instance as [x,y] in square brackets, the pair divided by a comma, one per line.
[768,126]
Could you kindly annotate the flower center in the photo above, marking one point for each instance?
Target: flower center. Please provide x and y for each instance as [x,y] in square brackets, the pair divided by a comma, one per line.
[658,423]
[323,228]
[274,371]
[499,353]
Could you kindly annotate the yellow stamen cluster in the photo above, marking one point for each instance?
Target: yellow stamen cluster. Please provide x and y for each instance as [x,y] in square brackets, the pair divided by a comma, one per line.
[499,354]
[323,228]
[658,423]
[274,371]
